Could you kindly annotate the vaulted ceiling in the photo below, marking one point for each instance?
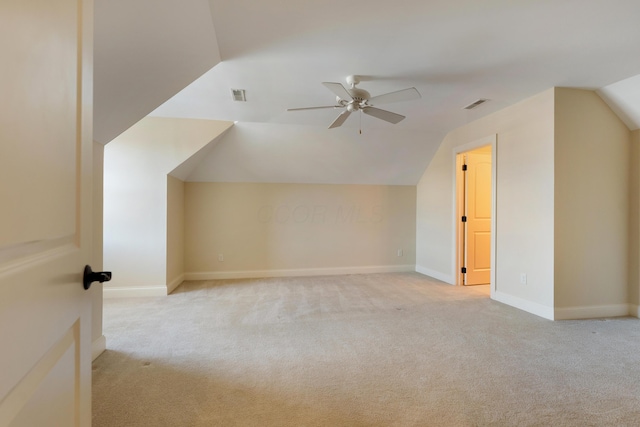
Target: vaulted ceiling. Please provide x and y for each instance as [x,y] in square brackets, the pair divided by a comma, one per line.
[453,51]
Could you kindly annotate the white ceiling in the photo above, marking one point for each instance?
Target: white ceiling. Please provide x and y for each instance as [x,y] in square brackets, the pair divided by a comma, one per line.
[452,51]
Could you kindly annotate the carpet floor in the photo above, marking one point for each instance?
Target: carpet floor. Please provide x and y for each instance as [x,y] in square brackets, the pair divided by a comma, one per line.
[358,350]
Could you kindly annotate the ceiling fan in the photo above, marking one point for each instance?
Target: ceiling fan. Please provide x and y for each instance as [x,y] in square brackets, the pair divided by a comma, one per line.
[356,99]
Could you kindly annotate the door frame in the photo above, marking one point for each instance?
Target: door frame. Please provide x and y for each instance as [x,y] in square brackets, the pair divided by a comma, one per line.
[491,140]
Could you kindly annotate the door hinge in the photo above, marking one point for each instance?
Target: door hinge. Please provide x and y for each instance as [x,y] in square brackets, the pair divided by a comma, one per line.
[463,270]
[464,167]
[464,218]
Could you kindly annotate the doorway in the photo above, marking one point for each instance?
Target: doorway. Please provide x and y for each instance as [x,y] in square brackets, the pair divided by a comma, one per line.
[475,215]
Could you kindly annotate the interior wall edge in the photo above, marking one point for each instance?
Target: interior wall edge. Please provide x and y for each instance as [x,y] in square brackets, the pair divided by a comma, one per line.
[525,305]
[98,346]
[634,219]
[171,286]
[443,277]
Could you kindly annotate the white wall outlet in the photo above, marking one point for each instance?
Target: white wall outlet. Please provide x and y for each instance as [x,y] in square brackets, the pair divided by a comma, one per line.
[523,278]
[220,257]
[399,252]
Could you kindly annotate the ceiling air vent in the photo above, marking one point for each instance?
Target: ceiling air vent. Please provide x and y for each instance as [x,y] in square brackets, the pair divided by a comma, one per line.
[475,104]
[238,95]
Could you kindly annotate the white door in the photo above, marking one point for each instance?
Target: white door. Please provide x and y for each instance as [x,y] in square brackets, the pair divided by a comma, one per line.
[45,212]
[478,214]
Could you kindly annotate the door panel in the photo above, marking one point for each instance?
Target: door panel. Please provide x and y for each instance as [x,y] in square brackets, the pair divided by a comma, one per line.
[52,387]
[45,219]
[40,67]
[481,256]
[478,226]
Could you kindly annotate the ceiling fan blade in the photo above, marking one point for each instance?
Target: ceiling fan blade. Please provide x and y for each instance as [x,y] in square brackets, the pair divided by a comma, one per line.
[400,95]
[340,120]
[338,90]
[385,115]
[313,108]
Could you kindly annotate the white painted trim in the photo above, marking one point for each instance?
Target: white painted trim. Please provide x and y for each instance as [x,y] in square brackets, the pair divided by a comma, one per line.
[175,283]
[487,140]
[98,347]
[634,310]
[256,274]
[592,312]
[522,304]
[436,275]
[135,292]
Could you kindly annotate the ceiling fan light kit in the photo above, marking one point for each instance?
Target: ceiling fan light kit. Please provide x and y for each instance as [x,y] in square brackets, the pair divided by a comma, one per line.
[355,99]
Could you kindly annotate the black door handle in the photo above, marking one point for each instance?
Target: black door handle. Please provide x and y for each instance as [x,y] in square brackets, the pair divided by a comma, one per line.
[91,276]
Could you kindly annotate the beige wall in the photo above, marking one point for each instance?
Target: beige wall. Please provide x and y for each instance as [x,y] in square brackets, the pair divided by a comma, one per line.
[634,223]
[525,203]
[591,205]
[291,229]
[175,232]
[136,165]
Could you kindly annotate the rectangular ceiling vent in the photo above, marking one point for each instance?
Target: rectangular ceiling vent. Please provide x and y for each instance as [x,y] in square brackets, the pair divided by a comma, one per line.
[239,95]
[475,104]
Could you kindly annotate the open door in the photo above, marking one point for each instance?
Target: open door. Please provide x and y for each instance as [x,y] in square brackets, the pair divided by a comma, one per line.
[474,207]
[45,213]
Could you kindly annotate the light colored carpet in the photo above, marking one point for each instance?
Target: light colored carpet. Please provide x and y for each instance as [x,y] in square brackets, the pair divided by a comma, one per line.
[358,350]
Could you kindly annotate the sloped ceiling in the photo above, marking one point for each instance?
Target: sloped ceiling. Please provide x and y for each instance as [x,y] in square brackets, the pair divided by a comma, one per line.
[624,98]
[452,51]
[144,52]
[257,152]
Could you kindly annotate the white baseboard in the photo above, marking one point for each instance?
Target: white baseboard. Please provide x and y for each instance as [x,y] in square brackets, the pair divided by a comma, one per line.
[592,312]
[135,292]
[436,275]
[634,310]
[175,283]
[98,347]
[256,274]
[522,304]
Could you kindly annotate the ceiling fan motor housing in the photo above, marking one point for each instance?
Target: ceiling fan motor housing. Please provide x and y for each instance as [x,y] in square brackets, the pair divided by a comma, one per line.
[359,95]
[359,99]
